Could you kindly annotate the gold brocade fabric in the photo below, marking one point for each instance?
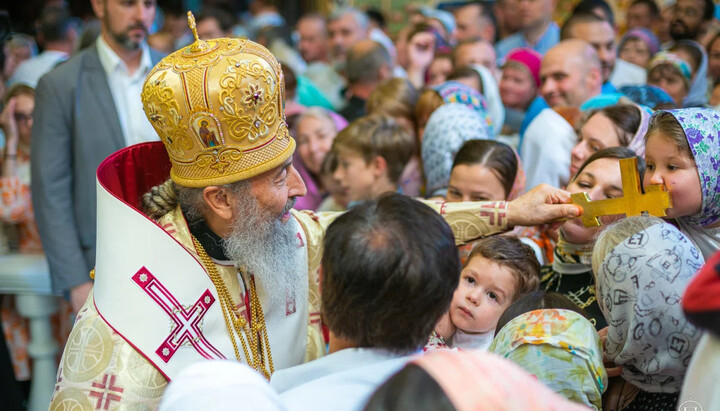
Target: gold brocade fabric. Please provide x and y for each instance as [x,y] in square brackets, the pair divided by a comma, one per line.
[100,370]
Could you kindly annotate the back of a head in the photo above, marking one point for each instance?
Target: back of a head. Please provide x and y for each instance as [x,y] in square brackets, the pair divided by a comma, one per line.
[412,388]
[537,300]
[395,97]
[616,233]
[55,24]
[223,17]
[365,60]
[386,278]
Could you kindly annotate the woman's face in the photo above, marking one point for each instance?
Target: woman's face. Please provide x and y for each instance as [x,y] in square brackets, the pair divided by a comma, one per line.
[672,83]
[597,133]
[517,88]
[474,183]
[314,139]
[600,179]
[635,51]
[439,70]
[714,60]
[24,106]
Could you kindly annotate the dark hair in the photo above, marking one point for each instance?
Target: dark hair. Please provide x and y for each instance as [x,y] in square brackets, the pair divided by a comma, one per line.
[626,119]
[290,82]
[465,72]
[693,49]
[708,10]
[386,279]
[224,18]
[376,16]
[412,388]
[55,23]
[616,153]
[509,252]
[651,5]
[578,18]
[537,300]
[590,6]
[496,156]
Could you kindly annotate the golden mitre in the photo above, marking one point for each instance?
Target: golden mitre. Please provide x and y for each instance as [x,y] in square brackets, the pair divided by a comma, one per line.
[218,107]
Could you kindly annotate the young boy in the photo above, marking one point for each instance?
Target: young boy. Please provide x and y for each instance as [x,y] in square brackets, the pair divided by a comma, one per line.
[372,153]
[499,270]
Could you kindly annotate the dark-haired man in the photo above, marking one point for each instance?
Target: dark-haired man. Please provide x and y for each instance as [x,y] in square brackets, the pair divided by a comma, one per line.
[642,14]
[691,19]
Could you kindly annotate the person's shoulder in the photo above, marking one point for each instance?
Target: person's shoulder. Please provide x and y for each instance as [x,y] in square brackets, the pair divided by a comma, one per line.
[65,72]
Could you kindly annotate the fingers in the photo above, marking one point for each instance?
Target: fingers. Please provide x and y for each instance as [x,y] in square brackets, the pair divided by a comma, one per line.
[614,371]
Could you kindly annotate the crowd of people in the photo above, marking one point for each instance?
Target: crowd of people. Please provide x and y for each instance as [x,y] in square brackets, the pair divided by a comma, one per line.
[376,213]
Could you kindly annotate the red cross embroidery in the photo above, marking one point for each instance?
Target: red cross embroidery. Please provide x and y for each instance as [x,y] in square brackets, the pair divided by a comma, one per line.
[186,321]
[499,213]
[108,391]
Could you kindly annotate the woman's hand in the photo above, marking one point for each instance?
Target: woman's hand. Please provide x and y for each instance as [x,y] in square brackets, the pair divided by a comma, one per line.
[9,126]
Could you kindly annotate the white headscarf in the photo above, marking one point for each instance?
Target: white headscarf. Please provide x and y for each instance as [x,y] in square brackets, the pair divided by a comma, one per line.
[491,91]
[639,288]
[219,386]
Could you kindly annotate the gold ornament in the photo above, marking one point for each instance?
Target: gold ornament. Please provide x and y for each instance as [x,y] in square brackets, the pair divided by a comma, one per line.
[255,334]
[218,106]
[633,202]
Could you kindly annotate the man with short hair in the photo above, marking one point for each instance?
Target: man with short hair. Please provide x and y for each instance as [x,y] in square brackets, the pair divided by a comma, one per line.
[57,33]
[86,109]
[475,52]
[475,20]
[368,64]
[313,47]
[346,26]
[642,14]
[507,14]
[213,23]
[538,32]
[691,19]
[600,34]
[570,74]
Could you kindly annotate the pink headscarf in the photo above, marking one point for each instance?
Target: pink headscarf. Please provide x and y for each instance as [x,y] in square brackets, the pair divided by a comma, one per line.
[529,58]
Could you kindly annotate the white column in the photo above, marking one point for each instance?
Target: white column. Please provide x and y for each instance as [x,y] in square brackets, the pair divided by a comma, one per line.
[42,348]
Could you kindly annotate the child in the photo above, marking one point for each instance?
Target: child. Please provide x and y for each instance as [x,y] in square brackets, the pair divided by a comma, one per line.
[372,154]
[672,74]
[499,270]
[439,69]
[642,266]
[638,46]
[682,151]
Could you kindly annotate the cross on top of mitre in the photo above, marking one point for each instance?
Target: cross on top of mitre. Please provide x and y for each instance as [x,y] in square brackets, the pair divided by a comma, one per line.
[633,202]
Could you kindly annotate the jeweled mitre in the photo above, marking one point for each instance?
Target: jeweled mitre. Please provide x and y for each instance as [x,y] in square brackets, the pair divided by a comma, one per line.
[217,105]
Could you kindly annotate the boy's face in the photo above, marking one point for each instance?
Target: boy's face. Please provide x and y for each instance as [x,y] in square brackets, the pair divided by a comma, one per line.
[356,177]
[486,289]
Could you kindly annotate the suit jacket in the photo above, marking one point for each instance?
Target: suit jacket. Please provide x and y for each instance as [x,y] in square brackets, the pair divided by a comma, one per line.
[76,127]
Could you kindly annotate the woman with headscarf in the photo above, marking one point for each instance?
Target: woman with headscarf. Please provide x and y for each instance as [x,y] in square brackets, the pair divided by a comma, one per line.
[642,266]
[449,127]
[561,349]
[445,380]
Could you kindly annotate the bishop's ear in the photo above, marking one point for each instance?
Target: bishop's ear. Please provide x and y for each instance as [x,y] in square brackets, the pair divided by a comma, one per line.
[219,202]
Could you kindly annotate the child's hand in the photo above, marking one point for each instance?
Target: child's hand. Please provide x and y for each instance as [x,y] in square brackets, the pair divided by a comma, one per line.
[445,328]
[612,370]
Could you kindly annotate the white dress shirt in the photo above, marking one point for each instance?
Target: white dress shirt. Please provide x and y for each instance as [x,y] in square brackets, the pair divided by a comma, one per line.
[30,71]
[126,89]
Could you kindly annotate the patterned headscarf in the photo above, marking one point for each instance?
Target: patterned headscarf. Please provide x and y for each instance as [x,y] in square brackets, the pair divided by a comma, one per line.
[637,144]
[455,92]
[639,288]
[672,59]
[448,128]
[644,35]
[474,380]
[561,348]
[702,130]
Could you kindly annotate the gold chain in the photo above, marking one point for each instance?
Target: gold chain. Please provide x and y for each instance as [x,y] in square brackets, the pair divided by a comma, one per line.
[260,357]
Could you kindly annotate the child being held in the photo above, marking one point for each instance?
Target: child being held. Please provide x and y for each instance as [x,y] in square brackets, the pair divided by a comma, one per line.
[499,270]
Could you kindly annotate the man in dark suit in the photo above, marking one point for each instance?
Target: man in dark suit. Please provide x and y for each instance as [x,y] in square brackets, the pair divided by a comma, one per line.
[86,109]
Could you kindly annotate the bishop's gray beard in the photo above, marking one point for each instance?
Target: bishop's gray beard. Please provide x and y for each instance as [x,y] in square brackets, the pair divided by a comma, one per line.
[265,247]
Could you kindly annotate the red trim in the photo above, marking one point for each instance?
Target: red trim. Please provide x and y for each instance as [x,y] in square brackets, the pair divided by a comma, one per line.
[130,343]
[250,150]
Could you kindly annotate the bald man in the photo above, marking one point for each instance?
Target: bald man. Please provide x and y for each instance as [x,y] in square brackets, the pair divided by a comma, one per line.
[570,75]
